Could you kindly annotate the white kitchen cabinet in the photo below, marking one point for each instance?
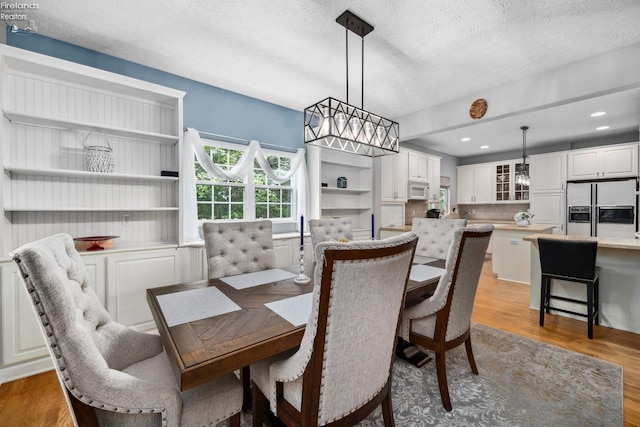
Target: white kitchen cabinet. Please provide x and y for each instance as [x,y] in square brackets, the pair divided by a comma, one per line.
[394,176]
[505,189]
[474,183]
[433,174]
[548,172]
[418,167]
[612,161]
[52,109]
[548,208]
[355,201]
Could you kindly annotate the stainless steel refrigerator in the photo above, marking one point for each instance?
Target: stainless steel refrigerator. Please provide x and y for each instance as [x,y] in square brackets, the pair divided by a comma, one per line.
[602,208]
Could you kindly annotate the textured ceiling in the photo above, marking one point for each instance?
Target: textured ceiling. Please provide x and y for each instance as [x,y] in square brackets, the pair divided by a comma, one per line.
[292,53]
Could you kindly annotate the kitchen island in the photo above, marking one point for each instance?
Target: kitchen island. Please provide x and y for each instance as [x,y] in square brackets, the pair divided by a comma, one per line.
[619,262]
[510,254]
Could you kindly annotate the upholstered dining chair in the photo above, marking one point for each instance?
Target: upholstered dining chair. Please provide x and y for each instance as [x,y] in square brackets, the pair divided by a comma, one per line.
[443,321]
[434,236]
[237,247]
[342,369]
[322,230]
[110,374]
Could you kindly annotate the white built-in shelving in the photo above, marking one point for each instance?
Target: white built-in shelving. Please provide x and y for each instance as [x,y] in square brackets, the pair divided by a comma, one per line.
[331,201]
[52,109]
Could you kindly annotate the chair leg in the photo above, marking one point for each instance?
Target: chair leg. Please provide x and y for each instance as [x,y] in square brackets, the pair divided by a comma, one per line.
[387,411]
[590,311]
[472,361]
[442,380]
[245,377]
[596,301]
[543,298]
[234,420]
[259,400]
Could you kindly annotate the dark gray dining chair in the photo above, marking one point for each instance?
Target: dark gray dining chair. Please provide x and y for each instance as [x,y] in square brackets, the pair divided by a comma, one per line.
[111,375]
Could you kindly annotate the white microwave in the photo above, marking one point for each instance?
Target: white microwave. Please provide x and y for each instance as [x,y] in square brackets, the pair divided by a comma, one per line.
[418,191]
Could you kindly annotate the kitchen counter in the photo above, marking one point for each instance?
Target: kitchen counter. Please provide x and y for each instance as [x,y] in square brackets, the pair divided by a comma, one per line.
[619,262]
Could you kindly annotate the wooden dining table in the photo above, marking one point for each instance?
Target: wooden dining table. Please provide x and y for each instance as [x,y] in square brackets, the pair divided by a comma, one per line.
[204,349]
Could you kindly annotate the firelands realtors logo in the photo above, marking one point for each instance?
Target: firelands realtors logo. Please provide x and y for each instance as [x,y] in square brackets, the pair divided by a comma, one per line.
[16,11]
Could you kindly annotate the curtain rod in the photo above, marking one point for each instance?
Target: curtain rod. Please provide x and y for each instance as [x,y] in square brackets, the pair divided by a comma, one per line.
[264,144]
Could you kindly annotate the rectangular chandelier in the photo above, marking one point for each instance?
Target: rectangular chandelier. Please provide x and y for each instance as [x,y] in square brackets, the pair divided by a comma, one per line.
[340,126]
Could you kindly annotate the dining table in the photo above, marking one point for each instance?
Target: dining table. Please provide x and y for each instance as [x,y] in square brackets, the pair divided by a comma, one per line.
[216,326]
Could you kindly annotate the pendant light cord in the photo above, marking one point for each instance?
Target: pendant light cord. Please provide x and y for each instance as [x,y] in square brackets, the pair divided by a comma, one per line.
[346,34]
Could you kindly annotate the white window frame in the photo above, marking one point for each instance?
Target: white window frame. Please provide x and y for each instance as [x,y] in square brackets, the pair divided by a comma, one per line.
[249,205]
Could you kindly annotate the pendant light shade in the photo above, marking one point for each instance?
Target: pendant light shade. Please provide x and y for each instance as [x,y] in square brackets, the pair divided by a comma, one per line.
[522,174]
[339,125]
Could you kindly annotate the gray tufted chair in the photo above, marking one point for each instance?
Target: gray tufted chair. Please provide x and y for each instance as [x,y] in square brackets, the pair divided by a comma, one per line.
[358,294]
[443,321]
[237,247]
[111,375]
[330,229]
[434,236]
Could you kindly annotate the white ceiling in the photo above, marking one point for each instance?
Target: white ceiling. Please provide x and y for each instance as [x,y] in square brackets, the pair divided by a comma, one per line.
[422,53]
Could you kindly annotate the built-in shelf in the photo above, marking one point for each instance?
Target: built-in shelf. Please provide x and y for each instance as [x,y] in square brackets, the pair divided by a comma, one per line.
[85,174]
[59,123]
[345,190]
[82,209]
[345,164]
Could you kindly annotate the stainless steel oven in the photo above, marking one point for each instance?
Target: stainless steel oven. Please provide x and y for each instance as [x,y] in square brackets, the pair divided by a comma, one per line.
[579,214]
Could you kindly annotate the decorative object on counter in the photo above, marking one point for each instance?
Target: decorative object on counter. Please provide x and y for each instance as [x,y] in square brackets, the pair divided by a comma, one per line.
[433,213]
[341,126]
[522,218]
[478,108]
[522,174]
[342,182]
[302,278]
[92,243]
[98,158]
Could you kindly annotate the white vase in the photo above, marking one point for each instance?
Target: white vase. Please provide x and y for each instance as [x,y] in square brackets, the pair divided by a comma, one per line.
[522,223]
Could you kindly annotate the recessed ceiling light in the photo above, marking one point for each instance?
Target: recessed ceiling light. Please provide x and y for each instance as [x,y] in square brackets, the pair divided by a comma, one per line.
[484,147]
[598,114]
[465,139]
[602,128]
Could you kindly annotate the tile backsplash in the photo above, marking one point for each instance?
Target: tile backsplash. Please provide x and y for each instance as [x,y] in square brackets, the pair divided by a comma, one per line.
[500,212]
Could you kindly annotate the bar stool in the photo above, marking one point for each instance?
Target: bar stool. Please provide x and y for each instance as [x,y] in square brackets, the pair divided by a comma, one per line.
[573,261]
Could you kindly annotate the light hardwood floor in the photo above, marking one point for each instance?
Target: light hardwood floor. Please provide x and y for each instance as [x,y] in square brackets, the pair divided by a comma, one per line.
[37,401]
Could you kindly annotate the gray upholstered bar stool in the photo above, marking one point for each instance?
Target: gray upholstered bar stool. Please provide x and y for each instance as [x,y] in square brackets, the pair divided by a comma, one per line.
[573,261]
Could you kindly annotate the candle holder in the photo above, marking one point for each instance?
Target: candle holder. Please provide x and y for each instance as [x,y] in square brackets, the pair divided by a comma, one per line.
[302,278]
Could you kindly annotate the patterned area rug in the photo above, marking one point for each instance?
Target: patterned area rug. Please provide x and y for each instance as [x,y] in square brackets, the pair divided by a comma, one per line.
[521,383]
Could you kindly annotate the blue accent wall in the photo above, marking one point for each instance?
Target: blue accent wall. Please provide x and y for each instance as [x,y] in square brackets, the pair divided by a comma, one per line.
[206,108]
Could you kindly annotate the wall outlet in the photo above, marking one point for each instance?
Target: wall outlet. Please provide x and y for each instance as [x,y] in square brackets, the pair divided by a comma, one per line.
[126,219]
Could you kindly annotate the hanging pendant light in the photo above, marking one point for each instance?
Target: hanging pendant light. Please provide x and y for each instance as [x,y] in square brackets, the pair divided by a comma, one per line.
[339,125]
[522,174]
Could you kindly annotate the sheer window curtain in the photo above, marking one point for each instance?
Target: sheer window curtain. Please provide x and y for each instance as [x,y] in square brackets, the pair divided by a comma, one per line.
[193,146]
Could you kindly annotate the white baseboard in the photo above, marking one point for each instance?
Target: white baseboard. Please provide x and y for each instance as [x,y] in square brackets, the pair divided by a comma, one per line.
[22,370]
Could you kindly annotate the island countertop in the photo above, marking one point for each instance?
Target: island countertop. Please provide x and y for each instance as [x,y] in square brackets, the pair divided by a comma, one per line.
[603,242]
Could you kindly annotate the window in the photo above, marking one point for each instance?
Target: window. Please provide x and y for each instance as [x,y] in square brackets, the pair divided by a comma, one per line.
[255,196]
[443,204]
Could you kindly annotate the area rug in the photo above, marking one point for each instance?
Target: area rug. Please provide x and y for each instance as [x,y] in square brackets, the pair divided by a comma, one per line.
[521,383]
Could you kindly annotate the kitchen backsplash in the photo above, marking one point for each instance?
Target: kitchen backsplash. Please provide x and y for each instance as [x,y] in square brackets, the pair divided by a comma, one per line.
[498,212]
[501,212]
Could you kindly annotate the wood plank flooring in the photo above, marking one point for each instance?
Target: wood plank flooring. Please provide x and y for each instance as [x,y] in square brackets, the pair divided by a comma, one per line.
[37,401]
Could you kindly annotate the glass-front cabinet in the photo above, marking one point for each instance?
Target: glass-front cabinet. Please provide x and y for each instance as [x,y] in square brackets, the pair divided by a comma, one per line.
[505,188]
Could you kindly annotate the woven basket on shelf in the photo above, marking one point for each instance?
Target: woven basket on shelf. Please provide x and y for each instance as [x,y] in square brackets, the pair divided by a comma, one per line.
[98,158]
